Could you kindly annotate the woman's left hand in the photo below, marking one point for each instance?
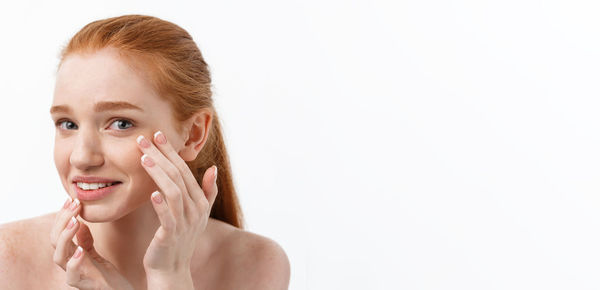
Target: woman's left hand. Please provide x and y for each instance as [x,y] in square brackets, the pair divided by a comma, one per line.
[84,267]
[183,208]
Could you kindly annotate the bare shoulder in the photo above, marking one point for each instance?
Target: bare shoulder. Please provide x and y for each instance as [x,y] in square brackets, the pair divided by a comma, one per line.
[252,261]
[21,247]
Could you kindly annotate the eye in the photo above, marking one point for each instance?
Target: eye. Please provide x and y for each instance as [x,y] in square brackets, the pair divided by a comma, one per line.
[123,124]
[70,125]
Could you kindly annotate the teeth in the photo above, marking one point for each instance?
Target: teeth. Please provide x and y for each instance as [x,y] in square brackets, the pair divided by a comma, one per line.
[92,186]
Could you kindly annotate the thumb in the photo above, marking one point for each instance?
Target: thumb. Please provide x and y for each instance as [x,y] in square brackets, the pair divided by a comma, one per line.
[86,242]
[209,185]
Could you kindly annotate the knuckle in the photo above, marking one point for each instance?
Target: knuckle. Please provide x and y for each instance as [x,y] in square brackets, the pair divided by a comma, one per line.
[168,224]
[171,226]
[165,237]
[181,165]
[203,205]
[60,240]
[70,265]
[181,183]
[172,171]
[195,215]
[174,190]
[162,236]
[56,259]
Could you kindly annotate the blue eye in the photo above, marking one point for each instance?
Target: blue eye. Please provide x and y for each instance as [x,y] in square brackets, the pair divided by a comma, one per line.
[123,124]
[69,127]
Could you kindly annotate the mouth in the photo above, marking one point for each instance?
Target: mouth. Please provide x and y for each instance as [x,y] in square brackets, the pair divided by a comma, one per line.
[94,185]
[94,191]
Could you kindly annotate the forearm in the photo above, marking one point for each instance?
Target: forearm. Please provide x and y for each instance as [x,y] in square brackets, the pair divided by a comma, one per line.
[180,281]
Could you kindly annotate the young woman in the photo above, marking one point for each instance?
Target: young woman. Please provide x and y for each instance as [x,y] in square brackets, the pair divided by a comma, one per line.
[140,153]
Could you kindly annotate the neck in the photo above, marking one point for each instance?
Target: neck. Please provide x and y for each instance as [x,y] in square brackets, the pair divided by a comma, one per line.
[123,242]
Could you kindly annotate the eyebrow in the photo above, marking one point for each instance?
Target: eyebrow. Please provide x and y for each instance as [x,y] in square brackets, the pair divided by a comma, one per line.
[99,107]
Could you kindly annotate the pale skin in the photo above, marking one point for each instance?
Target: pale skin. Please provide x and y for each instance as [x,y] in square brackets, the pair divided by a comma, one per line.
[128,240]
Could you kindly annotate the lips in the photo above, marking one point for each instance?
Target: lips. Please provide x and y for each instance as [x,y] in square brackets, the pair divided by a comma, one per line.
[94,194]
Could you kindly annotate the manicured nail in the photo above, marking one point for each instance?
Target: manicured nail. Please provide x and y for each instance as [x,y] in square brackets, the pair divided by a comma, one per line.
[74,204]
[78,252]
[156,197]
[67,202]
[146,160]
[160,137]
[143,142]
[72,223]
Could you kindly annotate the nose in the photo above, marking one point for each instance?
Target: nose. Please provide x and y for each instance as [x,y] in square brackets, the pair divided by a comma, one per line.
[87,151]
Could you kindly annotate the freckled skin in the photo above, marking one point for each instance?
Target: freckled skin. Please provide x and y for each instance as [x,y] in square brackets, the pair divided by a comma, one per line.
[123,223]
[98,145]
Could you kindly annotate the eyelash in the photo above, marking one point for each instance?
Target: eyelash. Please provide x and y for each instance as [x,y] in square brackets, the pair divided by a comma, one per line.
[59,122]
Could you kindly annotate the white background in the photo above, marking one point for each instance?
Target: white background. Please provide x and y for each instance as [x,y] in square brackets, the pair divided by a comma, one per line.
[385,145]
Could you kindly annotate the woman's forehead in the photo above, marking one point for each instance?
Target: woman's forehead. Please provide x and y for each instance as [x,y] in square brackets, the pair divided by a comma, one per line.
[103,60]
[100,77]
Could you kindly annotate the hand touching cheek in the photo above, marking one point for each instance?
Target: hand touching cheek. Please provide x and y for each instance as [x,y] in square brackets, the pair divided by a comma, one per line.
[182,206]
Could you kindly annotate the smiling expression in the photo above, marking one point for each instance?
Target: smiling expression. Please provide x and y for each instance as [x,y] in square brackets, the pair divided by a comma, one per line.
[100,107]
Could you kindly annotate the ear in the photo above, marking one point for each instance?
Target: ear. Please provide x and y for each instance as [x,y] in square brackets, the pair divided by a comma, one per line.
[197,129]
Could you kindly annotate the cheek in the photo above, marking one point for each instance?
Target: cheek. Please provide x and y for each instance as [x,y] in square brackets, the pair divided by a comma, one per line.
[61,159]
[128,160]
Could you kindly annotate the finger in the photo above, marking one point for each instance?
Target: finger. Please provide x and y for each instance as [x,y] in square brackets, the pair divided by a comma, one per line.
[62,218]
[188,178]
[65,246]
[167,166]
[80,271]
[192,196]
[194,202]
[167,220]
[84,238]
[170,190]
[209,185]
[163,161]
[56,225]
[86,242]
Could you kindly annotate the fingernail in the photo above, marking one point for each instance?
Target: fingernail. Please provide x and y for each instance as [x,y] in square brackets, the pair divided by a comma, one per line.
[72,223]
[160,137]
[143,142]
[156,197]
[146,160]
[67,202]
[74,204]
[78,252]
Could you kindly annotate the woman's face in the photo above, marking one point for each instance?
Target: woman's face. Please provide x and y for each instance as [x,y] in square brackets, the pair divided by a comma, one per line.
[97,123]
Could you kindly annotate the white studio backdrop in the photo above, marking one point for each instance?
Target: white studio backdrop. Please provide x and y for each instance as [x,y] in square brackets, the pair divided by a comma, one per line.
[384,145]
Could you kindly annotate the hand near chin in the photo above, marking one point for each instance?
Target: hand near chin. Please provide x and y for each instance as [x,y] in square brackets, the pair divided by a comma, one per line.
[85,268]
[183,209]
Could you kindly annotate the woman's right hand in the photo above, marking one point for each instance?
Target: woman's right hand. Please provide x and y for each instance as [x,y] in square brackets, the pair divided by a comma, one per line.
[84,267]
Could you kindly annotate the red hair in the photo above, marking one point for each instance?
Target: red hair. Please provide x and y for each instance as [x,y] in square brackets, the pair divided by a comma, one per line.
[168,56]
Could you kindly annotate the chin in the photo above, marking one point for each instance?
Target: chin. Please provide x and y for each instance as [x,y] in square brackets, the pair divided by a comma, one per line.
[110,209]
[99,213]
